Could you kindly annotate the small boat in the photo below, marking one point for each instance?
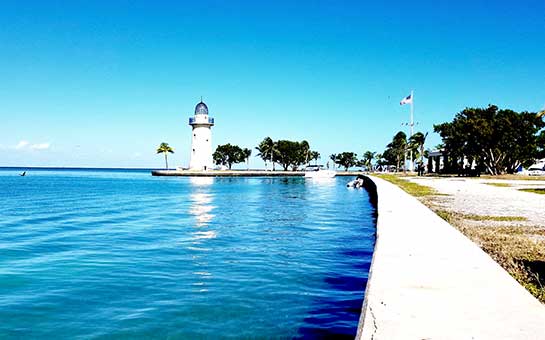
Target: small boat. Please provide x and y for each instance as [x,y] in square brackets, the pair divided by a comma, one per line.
[22,173]
[357,183]
[319,173]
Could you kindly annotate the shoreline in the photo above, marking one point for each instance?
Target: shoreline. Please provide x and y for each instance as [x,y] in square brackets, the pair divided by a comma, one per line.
[242,173]
[427,280]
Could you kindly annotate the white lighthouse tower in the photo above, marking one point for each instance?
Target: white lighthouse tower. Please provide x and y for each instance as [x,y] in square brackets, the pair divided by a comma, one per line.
[201,140]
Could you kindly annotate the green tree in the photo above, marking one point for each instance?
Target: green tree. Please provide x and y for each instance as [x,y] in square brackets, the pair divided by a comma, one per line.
[416,143]
[346,159]
[286,154]
[247,153]
[500,140]
[291,154]
[266,150]
[165,149]
[306,153]
[333,158]
[367,159]
[379,160]
[395,151]
[228,155]
[314,156]
[541,145]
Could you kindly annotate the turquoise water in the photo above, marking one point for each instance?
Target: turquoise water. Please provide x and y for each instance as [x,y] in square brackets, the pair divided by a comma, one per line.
[122,254]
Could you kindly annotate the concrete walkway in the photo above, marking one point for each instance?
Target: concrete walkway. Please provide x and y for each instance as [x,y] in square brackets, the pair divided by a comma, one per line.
[428,281]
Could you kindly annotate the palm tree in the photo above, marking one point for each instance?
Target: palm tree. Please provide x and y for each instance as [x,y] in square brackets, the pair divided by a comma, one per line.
[333,157]
[398,146]
[166,149]
[314,155]
[417,141]
[367,159]
[247,153]
[267,149]
[305,148]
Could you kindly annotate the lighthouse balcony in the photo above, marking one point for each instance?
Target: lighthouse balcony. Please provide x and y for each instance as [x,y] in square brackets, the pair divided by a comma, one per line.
[201,120]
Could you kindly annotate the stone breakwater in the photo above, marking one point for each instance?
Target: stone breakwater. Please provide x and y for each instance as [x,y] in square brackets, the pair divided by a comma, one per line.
[428,281]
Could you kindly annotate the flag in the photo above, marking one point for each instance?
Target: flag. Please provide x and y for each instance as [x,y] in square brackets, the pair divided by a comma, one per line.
[407,100]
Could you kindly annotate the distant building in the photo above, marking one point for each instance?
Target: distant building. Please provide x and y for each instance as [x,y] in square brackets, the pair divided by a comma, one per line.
[201,140]
[437,159]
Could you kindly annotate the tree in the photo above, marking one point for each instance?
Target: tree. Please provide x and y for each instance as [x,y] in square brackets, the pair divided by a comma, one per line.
[346,160]
[379,160]
[396,150]
[289,153]
[333,158]
[367,159]
[266,150]
[247,153]
[499,140]
[165,149]
[541,145]
[314,156]
[416,142]
[228,155]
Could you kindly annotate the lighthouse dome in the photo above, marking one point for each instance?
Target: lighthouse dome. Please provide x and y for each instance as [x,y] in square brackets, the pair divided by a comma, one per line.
[201,109]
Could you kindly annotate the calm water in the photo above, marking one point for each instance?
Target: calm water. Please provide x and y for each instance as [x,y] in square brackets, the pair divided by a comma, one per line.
[122,254]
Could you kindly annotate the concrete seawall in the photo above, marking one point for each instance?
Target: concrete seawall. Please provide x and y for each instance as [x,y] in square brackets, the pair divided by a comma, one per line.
[428,281]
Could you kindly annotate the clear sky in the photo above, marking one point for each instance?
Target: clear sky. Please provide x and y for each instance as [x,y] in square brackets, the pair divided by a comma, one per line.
[103,83]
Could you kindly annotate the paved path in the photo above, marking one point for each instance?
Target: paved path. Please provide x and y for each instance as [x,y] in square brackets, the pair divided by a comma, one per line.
[475,196]
[428,281]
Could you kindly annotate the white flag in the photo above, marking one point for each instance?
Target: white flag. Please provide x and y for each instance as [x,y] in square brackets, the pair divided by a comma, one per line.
[406,100]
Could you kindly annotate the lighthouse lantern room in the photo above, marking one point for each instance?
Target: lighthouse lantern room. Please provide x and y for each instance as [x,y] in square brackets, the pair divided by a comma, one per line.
[201,139]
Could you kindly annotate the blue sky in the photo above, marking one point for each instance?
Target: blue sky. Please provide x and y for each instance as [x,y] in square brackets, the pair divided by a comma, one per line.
[102,83]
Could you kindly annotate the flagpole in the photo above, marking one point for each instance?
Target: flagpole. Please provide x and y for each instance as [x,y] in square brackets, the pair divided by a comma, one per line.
[412,132]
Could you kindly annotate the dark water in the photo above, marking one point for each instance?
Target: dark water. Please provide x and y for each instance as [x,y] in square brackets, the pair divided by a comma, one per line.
[121,254]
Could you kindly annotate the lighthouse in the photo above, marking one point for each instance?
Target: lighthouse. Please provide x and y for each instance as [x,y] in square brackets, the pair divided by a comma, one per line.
[201,138]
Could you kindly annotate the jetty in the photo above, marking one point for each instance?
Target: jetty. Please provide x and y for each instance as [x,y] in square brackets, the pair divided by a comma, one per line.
[428,281]
[241,173]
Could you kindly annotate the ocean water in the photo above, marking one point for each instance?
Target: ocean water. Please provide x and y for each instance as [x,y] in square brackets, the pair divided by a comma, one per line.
[122,254]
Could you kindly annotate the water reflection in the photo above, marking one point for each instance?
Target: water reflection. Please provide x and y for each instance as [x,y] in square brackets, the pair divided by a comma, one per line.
[202,208]
[201,200]
[201,181]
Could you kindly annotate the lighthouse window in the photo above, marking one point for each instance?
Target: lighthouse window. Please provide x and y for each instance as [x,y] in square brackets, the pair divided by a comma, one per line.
[207,140]
[194,135]
[193,150]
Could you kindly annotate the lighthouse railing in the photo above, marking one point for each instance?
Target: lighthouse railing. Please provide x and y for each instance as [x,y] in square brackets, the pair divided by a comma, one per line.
[192,120]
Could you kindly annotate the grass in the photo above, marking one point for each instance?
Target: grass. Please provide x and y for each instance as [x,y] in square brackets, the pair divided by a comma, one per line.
[540,191]
[512,177]
[496,184]
[414,189]
[493,218]
[520,250]
[515,248]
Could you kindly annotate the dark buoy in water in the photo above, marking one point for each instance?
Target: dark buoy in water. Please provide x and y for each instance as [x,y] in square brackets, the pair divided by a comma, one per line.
[22,173]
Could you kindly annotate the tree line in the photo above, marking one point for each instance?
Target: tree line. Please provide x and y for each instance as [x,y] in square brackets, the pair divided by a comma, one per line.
[496,140]
[492,140]
[290,155]
[286,153]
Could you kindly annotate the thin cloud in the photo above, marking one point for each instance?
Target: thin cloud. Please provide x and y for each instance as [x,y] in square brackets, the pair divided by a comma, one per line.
[22,144]
[41,146]
[25,145]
